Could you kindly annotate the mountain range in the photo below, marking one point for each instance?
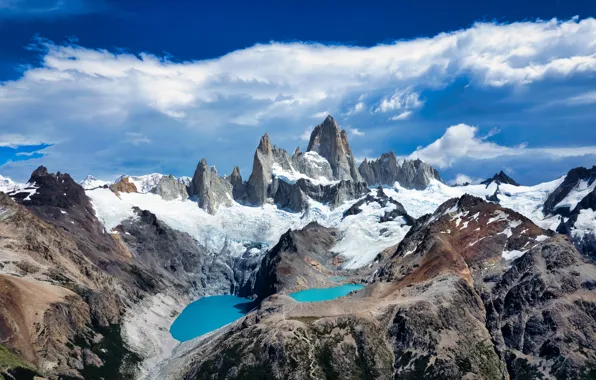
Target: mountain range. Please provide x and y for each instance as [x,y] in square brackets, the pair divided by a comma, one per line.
[481,281]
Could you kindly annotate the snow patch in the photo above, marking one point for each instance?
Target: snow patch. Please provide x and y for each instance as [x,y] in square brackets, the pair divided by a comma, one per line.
[512,255]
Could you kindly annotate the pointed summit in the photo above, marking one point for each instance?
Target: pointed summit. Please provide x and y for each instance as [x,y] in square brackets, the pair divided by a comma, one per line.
[265,144]
[211,190]
[332,144]
[500,178]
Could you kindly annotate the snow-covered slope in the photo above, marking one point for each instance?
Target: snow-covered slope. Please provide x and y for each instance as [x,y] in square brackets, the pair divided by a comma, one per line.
[527,200]
[310,162]
[236,226]
[90,182]
[363,237]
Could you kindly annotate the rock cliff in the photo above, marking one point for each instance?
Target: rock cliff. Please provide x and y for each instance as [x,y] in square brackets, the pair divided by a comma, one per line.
[211,190]
[332,144]
[411,174]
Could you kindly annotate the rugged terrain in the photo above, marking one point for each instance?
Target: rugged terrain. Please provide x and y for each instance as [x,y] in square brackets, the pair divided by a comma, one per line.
[488,281]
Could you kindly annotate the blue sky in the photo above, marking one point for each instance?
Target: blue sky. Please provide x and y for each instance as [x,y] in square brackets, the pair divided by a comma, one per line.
[105,87]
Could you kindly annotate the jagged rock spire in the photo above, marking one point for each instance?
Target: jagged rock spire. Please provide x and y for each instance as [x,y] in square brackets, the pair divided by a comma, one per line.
[211,190]
[332,144]
[412,174]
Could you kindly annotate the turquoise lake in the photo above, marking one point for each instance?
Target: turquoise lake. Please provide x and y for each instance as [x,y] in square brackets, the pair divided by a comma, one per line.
[207,314]
[324,294]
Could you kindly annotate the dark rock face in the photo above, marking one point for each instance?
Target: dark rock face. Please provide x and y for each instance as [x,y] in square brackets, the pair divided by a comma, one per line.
[332,144]
[174,256]
[411,174]
[288,196]
[298,260]
[333,195]
[585,242]
[59,200]
[494,197]
[525,301]
[383,200]
[538,313]
[500,178]
[260,178]
[238,187]
[211,190]
[574,176]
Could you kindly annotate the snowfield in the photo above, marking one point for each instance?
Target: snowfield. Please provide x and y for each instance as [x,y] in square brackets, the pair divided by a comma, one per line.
[362,236]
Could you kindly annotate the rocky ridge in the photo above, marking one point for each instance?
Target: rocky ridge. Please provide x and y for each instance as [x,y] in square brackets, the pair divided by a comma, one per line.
[440,307]
[411,174]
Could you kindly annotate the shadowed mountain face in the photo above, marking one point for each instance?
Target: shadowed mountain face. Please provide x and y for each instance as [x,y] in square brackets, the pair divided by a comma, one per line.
[500,178]
[71,283]
[574,200]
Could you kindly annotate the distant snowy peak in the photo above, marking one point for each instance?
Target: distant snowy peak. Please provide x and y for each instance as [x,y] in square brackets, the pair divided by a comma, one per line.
[143,183]
[7,185]
[500,178]
[90,182]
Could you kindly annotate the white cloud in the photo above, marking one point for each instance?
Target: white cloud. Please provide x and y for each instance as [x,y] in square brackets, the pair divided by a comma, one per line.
[461,142]
[320,115]
[400,100]
[85,100]
[136,138]
[356,132]
[461,179]
[48,8]
[401,116]
[359,107]
[305,136]
[13,140]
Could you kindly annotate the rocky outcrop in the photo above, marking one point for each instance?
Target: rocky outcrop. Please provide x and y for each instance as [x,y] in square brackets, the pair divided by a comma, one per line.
[334,194]
[288,196]
[312,165]
[571,181]
[301,259]
[211,190]
[260,178]
[500,178]
[123,186]
[411,174]
[379,197]
[332,144]
[577,180]
[238,187]
[169,188]
[264,186]
[532,281]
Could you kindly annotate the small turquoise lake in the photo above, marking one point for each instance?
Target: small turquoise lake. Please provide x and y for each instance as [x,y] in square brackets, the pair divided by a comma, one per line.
[207,314]
[324,294]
